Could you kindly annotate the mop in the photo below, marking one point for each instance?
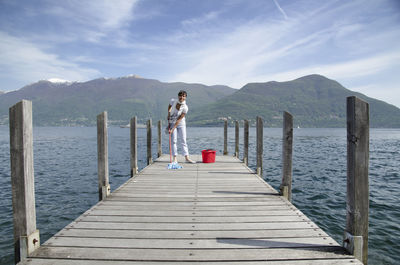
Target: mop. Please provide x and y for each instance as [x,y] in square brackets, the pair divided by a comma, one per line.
[172,165]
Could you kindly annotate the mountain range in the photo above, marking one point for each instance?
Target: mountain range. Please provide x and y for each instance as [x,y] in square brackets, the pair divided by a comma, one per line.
[314,101]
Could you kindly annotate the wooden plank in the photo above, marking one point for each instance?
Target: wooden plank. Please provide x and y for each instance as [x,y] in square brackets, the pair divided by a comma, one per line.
[216,243]
[198,219]
[38,261]
[193,226]
[191,213]
[103,233]
[118,254]
[203,205]
[275,205]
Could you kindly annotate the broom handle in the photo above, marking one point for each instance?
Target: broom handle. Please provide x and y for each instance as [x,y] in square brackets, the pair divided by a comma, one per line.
[170,149]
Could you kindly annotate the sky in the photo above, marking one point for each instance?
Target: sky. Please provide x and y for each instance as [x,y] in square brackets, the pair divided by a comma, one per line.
[213,42]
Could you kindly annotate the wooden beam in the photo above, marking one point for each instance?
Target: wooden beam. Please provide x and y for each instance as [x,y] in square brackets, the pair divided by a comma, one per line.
[149,156]
[259,148]
[134,159]
[237,139]
[287,151]
[26,236]
[102,156]
[226,137]
[159,153]
[246,142]
[357,178]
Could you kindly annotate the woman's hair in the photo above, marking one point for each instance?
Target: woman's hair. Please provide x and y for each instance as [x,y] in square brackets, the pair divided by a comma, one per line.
[182,92]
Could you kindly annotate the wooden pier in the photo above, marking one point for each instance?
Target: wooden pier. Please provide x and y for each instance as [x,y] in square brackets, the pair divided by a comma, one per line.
[220,213]
[206,213]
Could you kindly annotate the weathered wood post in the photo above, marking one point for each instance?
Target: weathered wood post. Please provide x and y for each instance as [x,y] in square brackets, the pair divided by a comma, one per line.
[287,150]
[149,156]
[159,153]
[102,156]
[134,160]
[246,143]
[26,236]
[226,137]
[237,139]
[356,233]
[260,132]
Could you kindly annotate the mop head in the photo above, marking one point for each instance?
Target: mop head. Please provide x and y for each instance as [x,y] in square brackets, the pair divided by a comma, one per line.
[174,165]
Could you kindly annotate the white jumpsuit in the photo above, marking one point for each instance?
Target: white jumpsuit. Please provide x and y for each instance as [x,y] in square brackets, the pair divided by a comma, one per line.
[180,129]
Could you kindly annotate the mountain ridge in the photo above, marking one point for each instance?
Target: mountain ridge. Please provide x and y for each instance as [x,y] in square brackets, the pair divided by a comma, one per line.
[313,100]
[78,103]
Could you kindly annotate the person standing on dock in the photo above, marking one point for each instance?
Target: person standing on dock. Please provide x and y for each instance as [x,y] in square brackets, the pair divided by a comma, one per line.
[177,110]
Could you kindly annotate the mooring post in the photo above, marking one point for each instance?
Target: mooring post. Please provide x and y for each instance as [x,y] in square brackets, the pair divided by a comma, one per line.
[26,236]
[149,156]
[226,137]
[357,202]
[237,139]
[246,142]
[259,148]
[287,150]
[102,156]
[159,153]
[133,130]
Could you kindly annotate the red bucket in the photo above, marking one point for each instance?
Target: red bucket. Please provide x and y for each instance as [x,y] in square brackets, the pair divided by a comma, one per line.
[208,155]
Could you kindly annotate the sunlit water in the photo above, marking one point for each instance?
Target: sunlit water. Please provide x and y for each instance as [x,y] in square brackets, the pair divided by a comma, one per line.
[65,161]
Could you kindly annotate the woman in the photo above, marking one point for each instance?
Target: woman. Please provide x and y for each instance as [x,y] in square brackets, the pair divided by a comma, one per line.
[177,110]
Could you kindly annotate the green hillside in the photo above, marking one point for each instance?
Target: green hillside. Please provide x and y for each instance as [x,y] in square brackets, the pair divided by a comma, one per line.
[314,101]
[79,103]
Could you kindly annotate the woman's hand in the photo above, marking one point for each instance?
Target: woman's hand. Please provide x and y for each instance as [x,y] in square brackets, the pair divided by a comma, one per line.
[171,130]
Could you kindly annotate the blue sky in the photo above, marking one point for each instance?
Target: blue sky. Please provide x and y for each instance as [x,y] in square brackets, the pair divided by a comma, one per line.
[231,42]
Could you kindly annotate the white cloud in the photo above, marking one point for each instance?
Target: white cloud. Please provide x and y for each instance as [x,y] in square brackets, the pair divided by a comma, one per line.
[345,70]
[22,60]
[388,93]
[311,42]
[93,20]
[210,16]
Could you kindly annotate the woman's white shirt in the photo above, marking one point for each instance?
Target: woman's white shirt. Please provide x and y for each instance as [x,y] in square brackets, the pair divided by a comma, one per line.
[176,113]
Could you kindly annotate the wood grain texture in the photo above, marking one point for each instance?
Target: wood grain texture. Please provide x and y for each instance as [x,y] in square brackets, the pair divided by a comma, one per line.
[219,213]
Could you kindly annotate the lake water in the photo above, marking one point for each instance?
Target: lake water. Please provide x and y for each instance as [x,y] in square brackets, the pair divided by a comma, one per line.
[65,160]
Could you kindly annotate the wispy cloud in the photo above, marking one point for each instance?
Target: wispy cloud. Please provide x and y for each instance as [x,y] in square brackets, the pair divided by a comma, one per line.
[25,62]
[92,20]
[201,20]
[345,70]
[262,49]
[280,9]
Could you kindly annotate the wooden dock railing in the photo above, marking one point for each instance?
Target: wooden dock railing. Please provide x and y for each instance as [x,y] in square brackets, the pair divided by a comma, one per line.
[26,236]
